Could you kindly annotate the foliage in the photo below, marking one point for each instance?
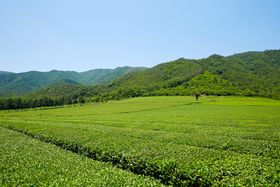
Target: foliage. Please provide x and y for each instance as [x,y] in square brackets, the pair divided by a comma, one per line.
[211,84]
[249,74]
[21,83]
[218,141]
[64,92]
[246,74]
[28,162]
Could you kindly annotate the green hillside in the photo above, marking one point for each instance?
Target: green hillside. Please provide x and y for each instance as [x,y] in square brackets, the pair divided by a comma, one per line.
[162,75]
[66,89]
[245,74]
[20,83]
[251,73]
[105,76]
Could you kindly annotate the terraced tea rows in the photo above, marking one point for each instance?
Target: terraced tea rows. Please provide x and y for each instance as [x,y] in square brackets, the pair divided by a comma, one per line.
[218,141]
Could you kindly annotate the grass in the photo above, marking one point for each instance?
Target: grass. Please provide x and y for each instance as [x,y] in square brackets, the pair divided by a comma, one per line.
[216,141]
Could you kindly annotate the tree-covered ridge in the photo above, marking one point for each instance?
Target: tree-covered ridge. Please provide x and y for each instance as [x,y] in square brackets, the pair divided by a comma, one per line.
[251,73]
[21,83]
[247,74]
[162,75]
[257,71]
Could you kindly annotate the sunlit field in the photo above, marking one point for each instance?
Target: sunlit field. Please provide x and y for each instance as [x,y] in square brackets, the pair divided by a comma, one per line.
[144,141]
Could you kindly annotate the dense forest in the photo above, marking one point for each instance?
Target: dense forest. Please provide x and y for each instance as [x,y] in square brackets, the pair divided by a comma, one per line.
[247,74]
[251,74]
[22,83]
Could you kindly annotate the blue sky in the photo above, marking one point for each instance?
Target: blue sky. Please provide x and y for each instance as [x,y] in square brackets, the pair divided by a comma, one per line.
[86,34]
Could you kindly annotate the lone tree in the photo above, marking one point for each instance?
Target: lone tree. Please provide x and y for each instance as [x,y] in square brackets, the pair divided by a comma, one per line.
[197,95]
[81,100]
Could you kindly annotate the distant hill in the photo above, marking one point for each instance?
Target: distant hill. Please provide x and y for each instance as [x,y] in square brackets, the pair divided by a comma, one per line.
[105,76]
[250,73]
[4,72]
[65,87]
[21,83]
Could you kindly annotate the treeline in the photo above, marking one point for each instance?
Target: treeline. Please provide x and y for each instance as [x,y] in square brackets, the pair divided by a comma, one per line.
[124,93]
[15,103]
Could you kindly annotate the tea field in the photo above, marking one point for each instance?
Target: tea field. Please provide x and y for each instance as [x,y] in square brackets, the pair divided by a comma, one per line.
[143,141]
[28,162]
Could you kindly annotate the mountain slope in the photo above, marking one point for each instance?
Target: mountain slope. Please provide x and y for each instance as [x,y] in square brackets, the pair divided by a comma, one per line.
[105,76]
[250,73]
[162,75]
[20,83]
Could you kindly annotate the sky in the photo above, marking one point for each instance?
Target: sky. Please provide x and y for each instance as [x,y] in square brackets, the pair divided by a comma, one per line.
[81,35]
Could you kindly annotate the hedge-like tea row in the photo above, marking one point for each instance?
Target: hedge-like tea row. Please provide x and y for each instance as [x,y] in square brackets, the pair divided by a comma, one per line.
[166,171]
[232,141]
[26,161]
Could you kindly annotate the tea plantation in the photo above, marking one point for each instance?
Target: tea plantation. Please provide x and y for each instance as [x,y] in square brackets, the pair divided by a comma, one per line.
[28,162]
[143,141]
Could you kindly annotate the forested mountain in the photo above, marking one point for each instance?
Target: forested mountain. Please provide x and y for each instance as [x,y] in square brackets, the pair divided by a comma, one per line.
[250,73]
[20,83]
[105,76]
[65,88]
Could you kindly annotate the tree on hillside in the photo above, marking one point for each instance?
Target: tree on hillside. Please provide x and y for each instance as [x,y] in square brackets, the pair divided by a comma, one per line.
[81,100]
[197,95]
